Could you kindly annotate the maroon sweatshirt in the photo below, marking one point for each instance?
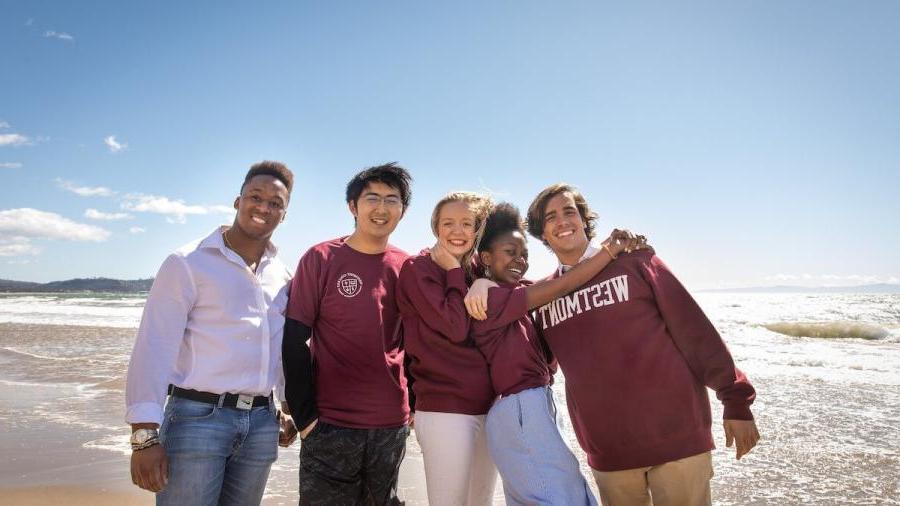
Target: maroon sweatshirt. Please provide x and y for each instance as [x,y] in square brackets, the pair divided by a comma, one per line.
[450,375]
[638,353]
[348,299]
[508,341]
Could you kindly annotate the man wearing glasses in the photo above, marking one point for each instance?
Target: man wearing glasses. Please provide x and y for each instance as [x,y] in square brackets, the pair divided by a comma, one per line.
[343,300]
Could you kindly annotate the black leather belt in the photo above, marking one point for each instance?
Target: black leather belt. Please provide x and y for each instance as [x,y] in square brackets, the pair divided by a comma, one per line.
[226,400]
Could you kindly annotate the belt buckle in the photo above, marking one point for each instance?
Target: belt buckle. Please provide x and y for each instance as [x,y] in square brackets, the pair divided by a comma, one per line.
[244,402]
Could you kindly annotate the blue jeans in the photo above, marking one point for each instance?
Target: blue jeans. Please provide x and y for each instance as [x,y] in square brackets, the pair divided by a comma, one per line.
[536,465]
[217,455]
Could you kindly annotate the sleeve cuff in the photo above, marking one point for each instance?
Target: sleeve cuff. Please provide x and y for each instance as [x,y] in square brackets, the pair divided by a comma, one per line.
[304,419]
[145,412]
[737,412]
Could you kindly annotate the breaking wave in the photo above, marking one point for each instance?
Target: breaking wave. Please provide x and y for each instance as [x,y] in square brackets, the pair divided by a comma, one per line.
[829,330]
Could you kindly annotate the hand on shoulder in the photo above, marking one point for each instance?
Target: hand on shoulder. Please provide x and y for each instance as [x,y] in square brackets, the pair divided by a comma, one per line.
[625,241]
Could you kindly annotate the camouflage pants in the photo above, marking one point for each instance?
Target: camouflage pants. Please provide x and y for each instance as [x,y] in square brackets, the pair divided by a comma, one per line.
[343,466]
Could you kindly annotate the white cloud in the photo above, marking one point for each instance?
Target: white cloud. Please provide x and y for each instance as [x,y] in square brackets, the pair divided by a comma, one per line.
[13,140]
[10,165]
[221,209]
[84,191]
[137,230]
[100,215]
[17,246]
[4,124]
[58,35]
[113,145]
[19,226]
[174,210]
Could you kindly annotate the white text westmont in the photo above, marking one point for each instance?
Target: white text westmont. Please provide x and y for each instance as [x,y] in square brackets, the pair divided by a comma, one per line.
[604,293]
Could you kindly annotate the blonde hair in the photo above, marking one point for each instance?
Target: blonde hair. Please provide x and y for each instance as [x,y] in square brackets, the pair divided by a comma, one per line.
[479,205]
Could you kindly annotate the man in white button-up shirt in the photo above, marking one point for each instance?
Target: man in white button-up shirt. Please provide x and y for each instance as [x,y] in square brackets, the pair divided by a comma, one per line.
[208,355]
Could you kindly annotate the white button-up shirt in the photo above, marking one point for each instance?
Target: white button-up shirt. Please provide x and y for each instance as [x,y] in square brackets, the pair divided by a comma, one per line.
[589,252]
[210,324]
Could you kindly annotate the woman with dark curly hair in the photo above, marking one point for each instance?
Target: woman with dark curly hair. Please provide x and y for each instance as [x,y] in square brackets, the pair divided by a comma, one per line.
[536,465]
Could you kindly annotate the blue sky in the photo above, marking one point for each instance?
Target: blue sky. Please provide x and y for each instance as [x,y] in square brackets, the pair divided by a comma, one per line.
[755,143]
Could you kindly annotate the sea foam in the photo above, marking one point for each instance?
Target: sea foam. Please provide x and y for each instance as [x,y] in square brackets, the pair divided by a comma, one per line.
[827,330]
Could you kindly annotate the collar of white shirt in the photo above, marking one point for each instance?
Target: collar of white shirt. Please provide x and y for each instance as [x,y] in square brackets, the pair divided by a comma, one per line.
[588,253]
[216,241]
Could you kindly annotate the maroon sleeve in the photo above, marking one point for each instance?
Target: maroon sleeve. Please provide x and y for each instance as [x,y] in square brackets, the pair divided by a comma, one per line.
[698,341]
[306,289]
[505,305]
[438,298]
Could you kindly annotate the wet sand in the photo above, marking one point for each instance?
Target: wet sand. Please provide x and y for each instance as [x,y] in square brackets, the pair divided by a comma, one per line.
[46,463]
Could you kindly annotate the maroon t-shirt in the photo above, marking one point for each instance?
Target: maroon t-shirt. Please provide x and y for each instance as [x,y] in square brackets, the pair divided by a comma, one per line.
[348,299]
[638,353]
[508,341]
[450,374]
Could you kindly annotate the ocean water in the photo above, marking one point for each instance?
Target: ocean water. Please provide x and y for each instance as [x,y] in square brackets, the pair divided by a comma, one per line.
[826,368]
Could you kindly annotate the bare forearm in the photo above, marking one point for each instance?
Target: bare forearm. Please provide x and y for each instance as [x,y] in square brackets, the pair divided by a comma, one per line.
[545,291]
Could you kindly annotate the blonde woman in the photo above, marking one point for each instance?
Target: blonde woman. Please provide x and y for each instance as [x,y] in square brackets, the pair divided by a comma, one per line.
[451,382]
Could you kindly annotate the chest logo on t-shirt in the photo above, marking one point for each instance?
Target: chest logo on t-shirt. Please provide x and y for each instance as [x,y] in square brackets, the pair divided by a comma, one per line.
[349,284]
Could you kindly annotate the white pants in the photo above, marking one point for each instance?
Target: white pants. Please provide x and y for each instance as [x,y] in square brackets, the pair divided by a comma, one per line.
[458,465]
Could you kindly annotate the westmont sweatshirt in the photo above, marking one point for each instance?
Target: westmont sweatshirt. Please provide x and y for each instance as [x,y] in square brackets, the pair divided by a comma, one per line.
[638,353]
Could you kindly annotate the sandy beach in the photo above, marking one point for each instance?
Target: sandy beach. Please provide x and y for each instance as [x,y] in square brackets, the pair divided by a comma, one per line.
[66,442]
[51,469]
[827,407]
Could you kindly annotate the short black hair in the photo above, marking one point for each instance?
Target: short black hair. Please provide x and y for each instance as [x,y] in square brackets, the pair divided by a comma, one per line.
[390,174]
[504,218]
[272,168]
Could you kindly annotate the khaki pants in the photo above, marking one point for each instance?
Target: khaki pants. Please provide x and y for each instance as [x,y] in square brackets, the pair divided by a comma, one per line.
[683,482]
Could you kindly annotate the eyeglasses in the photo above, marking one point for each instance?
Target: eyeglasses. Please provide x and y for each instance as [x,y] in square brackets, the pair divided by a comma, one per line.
[376,200]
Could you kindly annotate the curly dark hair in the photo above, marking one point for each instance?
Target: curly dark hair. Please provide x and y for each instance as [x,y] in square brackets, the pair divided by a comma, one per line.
[504,218]
[539,206]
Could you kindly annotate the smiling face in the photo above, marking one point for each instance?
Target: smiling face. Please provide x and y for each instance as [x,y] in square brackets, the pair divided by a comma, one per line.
[261,206]
[564,228]
[456,228]
[377,210]
[507,258]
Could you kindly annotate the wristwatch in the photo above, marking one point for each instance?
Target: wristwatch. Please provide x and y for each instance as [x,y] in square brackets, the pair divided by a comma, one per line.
[144,438]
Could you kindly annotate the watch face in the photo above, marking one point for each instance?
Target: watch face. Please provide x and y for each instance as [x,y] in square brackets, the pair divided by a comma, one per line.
[141,436]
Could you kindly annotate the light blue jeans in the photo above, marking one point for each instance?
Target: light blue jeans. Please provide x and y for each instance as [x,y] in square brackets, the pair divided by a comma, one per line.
[217,455]
[536,465]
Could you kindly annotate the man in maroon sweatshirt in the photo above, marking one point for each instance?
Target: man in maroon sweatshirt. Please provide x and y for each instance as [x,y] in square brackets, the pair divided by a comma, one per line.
[638,355]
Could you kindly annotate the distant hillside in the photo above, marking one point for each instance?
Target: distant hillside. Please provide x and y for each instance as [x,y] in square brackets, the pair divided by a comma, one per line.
[79,285]
[878,288]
